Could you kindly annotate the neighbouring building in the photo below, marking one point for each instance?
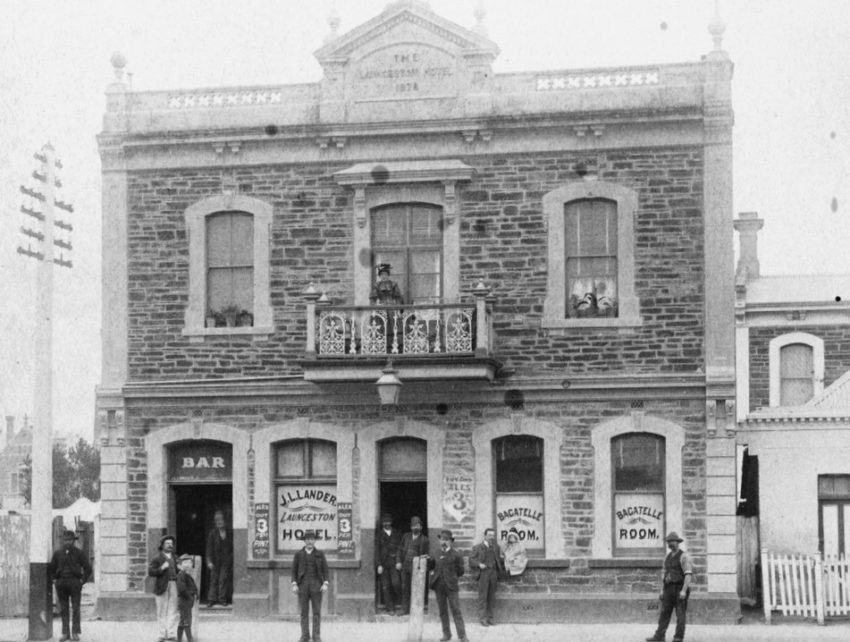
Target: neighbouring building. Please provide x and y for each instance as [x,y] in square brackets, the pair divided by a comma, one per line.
[793,343]
[16,448]
[563,246]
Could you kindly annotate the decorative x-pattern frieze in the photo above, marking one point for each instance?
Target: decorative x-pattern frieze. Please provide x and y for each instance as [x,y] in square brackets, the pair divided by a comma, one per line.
[597,80]
[223,99]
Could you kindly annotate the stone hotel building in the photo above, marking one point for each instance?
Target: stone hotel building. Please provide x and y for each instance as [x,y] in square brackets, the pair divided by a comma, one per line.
[564,339]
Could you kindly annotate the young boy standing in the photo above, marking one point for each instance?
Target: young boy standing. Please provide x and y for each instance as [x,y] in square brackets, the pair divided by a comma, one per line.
[187,593]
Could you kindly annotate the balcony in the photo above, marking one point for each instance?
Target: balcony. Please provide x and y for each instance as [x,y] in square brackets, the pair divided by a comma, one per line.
[449,341]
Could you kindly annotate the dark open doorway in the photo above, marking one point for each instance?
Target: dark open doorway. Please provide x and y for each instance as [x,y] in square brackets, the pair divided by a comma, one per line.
[403,500]
[193,508]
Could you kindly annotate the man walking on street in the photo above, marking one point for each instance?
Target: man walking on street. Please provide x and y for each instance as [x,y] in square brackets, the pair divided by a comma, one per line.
[389,540]
[413,544]
[163,568]
[675,589]
[220,562]
[310,579]
[69,568]
[447,567]
[486,563]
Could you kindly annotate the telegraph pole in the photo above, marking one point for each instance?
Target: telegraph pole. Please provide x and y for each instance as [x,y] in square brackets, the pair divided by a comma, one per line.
[41,500]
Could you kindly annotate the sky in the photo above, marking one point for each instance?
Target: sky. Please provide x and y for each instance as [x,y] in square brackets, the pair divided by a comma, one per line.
[791,92]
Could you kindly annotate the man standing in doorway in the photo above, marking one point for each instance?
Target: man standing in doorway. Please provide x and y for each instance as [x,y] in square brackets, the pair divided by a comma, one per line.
[486,563]
[220,562]
[70,569]
[413,544]
[447,568]
[388,541]
[309,582]
[163,568]
[675,589]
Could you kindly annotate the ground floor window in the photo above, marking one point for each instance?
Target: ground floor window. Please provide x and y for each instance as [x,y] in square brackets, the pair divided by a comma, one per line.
[305,493]
[637,464]
[518,463]
[834,518]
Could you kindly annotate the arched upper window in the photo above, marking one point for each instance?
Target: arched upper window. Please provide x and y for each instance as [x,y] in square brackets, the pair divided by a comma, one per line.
[229,271]
[796,368]
[591,267]
[409,237]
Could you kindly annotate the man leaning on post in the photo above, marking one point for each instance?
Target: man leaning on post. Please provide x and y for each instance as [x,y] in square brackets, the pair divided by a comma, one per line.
[676,587]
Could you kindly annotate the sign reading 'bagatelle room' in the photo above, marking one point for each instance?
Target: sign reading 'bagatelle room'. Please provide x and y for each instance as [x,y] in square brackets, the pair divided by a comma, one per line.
[524,512]
[639,520]
[302,507]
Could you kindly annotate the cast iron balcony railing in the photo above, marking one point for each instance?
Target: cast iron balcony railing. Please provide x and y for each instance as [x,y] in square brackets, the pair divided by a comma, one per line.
[399,330]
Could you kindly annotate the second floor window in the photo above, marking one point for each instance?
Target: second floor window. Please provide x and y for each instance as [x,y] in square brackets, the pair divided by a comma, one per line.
[590,238]
[230,263]
[409,238]
[796,369]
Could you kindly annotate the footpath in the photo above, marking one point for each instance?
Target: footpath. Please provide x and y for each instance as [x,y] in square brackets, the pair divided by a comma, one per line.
[214,628]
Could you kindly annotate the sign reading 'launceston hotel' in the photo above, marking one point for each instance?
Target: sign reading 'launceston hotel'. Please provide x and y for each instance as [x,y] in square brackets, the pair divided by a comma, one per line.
[404,70]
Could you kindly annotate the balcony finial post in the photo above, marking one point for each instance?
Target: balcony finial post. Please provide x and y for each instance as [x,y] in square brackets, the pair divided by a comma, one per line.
[482,325]
[312,296]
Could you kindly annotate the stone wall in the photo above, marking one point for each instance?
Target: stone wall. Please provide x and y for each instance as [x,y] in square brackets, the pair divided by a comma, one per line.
[503,241]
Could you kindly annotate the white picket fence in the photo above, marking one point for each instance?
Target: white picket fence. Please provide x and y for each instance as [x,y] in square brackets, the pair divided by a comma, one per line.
[806,586]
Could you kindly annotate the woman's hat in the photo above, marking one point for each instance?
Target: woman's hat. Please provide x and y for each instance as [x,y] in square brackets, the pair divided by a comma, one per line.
[384,267]
[513,533]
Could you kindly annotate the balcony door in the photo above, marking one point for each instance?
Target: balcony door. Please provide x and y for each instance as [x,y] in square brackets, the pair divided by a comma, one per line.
[409,236]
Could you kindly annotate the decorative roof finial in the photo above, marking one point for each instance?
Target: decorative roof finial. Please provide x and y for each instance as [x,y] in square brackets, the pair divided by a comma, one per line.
[333,23]
[480,14]
[118,63]
[717,27]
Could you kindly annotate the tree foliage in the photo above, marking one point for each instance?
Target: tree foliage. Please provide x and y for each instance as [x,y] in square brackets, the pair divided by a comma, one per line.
[76,473]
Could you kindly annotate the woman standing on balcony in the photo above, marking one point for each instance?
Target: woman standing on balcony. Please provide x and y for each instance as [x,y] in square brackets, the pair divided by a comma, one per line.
[385,292]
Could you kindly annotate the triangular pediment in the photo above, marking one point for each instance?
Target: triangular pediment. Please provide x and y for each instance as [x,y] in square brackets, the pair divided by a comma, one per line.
[405,22]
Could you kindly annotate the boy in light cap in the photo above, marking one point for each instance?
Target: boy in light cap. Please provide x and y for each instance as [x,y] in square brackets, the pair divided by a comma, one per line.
[187,592]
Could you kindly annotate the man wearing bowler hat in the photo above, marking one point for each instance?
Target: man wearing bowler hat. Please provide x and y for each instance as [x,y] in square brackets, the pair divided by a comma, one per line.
[69,568]
[675,589]
[447,566]
[388,541]
[413,544]
[163,568]
[310,579]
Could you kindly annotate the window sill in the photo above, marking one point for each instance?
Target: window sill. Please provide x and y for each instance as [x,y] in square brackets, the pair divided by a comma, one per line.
[199,335]
[626,562]
[287,563]
[561,327]
[544,563]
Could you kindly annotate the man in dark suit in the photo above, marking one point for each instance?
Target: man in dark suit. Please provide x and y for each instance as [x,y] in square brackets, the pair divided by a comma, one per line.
[388,541]
[413,544]
[220,562]
[447,567]
[69,568]
[486,562]
[309,582]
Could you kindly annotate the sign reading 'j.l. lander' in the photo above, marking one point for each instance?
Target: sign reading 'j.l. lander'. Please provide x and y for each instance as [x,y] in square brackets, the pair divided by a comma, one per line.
[405,71]
[302,507]
[639,520]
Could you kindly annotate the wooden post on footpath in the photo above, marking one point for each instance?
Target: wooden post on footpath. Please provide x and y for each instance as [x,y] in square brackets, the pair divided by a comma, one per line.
[195,572]
[417,599]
